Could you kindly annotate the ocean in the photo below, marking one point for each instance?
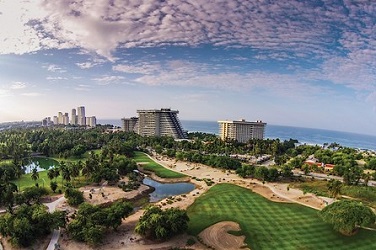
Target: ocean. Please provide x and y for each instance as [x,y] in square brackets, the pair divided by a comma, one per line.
[303,135]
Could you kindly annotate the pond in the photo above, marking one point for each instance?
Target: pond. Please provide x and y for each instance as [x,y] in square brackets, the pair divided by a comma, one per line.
[164,190]
[41,163]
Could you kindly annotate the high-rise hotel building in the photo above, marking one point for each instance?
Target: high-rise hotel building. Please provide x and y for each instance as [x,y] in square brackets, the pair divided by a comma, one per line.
[163,122]
[81,118]
[242,130]
[130,124]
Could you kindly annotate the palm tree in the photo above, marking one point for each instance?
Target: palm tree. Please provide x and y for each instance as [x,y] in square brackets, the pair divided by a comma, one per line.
[74,170]
[51,173]
[34,174]
[334,187]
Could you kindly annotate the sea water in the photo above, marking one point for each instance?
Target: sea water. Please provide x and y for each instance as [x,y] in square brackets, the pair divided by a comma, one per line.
[303,135]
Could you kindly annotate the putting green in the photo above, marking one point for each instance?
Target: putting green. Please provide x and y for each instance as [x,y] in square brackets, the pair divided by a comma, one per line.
[270,225]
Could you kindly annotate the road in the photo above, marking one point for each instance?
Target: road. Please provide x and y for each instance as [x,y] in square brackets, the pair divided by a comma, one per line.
[325,177]
[56,234]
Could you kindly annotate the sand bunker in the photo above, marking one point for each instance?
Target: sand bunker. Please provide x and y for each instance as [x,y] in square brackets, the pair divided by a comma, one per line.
[217,236]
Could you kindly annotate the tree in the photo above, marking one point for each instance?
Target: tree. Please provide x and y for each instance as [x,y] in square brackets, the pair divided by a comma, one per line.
[158,224]
[53,186]
[28,223]
[74,197]
[347,216]
[34,174]
[334,187]
[91,221]
[51,173]
[262,173]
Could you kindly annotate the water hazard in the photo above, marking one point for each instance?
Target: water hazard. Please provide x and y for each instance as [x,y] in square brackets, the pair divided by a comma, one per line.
[164,190]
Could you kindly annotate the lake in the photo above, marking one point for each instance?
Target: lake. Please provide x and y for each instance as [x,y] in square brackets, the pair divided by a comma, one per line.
[41,163]
[164,190]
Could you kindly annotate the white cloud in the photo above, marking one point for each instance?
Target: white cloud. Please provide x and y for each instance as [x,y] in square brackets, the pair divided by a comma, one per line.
[18,85]
[85,65]
[106,80]
[83,87]
[55,78]
[54,68]
[4,93]
[32,94]
[144,68]
[296,27]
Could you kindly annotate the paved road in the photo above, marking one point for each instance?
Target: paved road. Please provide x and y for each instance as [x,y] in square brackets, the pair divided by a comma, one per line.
[55,235]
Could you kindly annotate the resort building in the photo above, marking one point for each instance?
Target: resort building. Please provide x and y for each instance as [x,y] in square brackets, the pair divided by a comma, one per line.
[242,130]
[164,122]
[129,124]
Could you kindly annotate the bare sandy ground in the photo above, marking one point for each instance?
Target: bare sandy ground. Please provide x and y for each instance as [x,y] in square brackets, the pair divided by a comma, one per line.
[217,236]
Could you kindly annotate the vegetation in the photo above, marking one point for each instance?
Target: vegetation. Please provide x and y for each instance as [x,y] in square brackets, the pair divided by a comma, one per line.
[29,223]
[364,194]
[150,165]
[156,223]
[90,222]
[74,197]
[270,225]
[348,216]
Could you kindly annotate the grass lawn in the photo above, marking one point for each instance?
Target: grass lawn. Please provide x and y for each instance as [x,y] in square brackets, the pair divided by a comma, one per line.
[151,165]
[85,156]
[25,181]
[270,225]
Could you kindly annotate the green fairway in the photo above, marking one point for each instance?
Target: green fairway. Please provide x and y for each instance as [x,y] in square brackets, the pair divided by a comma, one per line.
[270,225]
[25,181]
[151,165]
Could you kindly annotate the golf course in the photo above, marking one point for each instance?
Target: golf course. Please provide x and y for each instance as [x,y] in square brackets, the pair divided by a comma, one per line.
[270,225]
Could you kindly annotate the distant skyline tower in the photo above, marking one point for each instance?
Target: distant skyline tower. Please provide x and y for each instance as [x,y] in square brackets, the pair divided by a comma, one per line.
[74,117]
[81,118]
[60,118]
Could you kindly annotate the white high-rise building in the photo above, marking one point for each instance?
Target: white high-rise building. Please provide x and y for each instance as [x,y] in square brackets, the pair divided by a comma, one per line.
[66,119]
[242,131]
[129,124]
[91,121]
[73,117]
[164,122]
[81,118]
[60,118]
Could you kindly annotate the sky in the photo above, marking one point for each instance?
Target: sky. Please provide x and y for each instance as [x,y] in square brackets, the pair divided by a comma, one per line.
[305,63]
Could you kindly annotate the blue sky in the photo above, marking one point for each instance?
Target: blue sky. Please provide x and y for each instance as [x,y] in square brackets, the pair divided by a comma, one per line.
[287,62]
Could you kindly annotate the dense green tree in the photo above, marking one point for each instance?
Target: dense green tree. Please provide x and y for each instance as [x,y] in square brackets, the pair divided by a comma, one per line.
[34,174]
[352,175]
[246,171]
[74,197]
[334,187]
[90,221]
[156,223]
[262,173]
[29,223]
[53,186]
[31,195]
[371,164]
[347,216]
